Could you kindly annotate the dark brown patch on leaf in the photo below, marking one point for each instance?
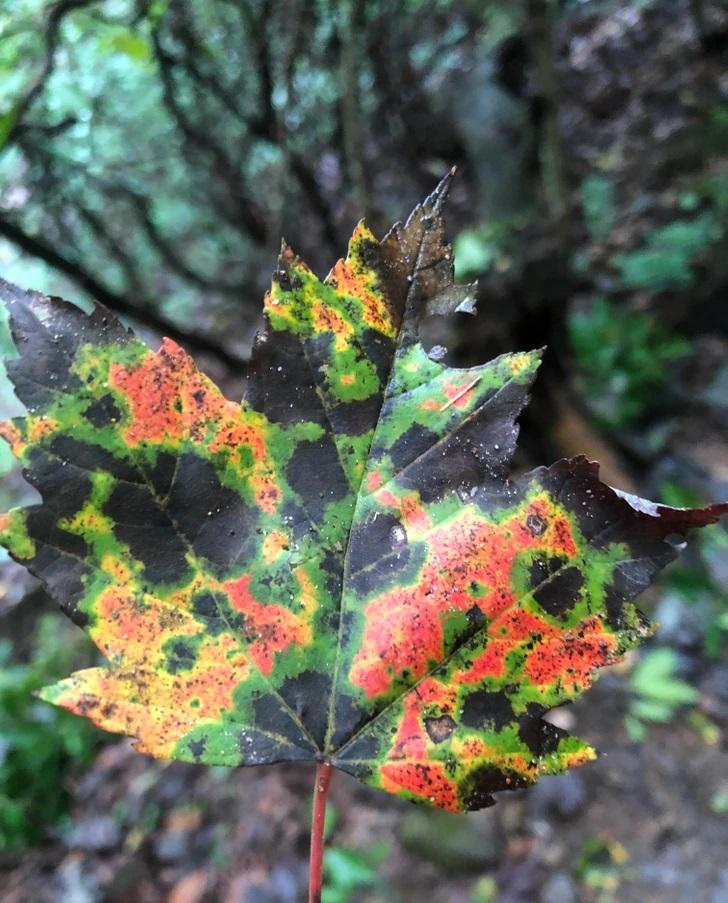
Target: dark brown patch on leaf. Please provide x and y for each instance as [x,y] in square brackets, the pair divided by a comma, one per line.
[439,729]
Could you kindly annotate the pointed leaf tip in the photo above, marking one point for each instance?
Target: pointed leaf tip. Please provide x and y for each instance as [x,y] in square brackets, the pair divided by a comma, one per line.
[438,197]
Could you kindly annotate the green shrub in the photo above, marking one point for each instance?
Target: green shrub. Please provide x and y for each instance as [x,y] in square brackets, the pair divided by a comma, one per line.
[478,249]
[350,871]
[657,692]
[38,742]
[623,358]
[669,255]
[598,205]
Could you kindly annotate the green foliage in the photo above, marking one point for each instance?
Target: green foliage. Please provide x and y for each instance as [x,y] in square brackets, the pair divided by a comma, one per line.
[125,41]
[657,692]
[348,871]
[38,743]
[478,249]
[623,357]
[715,130]
[7,121]
[600,865]
[598,205]
[666,262]
[719,801]
[485,891]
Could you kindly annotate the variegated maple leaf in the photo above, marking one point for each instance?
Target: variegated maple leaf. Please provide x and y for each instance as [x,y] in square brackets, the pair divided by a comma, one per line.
[338,569]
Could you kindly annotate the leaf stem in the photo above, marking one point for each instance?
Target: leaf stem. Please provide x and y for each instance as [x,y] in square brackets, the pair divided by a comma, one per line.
[324,771]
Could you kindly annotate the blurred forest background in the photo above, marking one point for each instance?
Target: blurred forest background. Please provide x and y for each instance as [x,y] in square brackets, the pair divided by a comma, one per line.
[152,154]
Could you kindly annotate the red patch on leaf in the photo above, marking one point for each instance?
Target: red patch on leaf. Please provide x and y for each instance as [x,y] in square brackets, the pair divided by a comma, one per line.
[408,765]
[155,390]
[571,657]
[268,628]
[469,565]
[424,779]
[170,399]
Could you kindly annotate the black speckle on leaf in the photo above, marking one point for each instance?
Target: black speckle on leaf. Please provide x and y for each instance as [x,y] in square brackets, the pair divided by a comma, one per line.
[197,748]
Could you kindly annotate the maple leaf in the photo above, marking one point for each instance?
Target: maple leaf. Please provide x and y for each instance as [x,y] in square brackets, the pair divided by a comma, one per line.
[340,568]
